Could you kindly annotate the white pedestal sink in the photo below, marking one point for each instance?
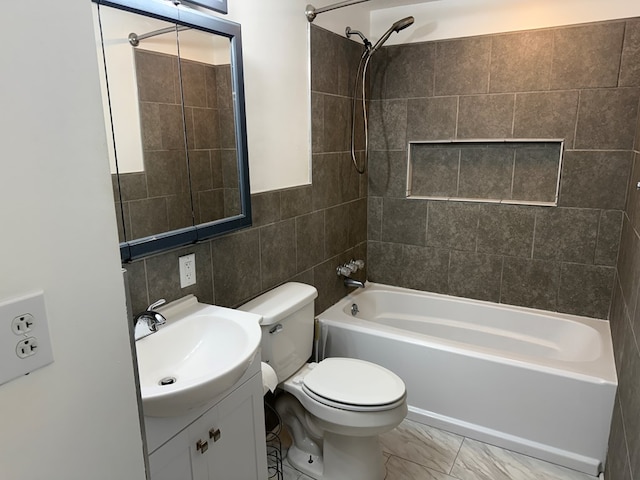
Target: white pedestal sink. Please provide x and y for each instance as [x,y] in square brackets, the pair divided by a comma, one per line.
[199,353]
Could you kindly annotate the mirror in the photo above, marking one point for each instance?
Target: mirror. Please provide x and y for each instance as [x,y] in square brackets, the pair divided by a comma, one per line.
[174,103]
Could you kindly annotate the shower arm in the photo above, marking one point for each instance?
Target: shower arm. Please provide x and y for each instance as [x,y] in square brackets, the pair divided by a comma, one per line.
[311,12]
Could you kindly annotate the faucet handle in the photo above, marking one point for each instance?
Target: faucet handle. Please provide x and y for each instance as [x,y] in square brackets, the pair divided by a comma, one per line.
[156,304]
[344,270]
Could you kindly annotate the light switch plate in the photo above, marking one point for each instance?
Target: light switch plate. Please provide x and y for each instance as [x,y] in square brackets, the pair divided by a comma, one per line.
[25,344]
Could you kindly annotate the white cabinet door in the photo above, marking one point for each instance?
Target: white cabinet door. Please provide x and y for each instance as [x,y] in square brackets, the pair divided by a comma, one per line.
[172,461]
[233,431]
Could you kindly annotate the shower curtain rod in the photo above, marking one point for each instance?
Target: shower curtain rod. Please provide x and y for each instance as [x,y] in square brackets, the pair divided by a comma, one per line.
[134,38]
[311,12]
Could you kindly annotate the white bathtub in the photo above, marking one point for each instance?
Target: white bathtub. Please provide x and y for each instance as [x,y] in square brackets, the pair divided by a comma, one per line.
[536,382]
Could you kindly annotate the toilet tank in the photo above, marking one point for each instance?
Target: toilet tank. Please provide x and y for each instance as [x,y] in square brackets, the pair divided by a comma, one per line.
[287,326]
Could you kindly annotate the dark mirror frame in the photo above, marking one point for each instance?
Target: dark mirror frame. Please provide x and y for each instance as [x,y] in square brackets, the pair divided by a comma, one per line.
[142,247]
[215,5]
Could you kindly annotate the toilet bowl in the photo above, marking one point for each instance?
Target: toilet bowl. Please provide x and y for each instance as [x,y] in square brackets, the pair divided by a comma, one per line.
[334,409]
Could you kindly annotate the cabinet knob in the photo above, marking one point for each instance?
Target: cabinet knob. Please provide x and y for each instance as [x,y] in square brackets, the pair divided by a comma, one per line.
[215,434]
[202,446]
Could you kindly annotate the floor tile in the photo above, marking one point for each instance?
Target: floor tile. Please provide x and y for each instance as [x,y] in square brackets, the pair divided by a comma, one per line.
[422,444]
[478,461]
[401,469]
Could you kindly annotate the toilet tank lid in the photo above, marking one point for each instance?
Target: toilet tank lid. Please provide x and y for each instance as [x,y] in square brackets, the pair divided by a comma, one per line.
[280,302]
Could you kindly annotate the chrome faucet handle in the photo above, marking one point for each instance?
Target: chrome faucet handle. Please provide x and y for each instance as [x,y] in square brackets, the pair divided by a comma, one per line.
[344,270]
[156,304]
[359,263]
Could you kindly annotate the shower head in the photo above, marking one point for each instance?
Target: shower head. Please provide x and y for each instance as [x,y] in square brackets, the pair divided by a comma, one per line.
[396,27]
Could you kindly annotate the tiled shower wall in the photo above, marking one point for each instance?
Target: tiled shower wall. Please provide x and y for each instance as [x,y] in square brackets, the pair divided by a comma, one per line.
[300,233]
[577,83]
[623,462]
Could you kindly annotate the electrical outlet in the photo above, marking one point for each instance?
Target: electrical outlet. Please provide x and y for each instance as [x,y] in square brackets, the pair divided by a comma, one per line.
[25,345]
[22,324]
[187,265]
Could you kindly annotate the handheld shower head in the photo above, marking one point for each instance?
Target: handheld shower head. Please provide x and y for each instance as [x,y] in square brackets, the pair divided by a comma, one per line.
[396,27]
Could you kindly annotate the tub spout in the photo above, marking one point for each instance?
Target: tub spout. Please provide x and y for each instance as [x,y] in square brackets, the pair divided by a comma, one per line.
[350,282]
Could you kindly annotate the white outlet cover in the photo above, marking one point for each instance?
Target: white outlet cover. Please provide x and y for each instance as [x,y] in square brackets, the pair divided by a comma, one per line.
[187,265]
[11,365]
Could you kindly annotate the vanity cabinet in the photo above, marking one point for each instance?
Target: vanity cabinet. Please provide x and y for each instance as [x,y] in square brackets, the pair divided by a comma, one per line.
[225,442]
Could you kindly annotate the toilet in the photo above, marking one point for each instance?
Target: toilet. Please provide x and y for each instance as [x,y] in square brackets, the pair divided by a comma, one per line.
[334,409]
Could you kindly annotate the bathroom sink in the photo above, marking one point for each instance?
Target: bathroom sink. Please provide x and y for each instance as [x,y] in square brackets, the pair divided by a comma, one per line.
[200,353]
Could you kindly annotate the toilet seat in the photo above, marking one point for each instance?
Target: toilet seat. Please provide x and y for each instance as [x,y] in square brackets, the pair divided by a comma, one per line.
[353,385]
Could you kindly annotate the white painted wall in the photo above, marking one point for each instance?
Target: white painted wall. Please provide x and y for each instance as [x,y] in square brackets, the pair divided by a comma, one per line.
[76,418]
[442,19]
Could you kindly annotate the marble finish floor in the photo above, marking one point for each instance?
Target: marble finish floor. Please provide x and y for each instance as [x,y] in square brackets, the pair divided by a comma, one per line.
[417,452]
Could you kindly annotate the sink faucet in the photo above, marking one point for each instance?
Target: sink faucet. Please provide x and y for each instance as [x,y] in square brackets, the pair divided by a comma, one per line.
[150,317]
[351,282]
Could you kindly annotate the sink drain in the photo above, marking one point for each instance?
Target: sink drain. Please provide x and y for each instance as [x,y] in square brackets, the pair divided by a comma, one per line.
[167,381]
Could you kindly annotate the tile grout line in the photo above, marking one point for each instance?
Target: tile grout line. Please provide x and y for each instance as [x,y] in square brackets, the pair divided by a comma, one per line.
[457,455]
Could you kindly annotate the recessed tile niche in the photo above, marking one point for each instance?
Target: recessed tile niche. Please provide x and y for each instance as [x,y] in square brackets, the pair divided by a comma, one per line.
[496,171]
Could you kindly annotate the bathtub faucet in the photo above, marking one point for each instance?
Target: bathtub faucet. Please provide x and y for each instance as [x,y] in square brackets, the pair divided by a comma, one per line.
[347,270]
[351,282]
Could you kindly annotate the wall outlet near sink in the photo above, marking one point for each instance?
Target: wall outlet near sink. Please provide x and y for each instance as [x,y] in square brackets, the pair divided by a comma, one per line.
[187,270]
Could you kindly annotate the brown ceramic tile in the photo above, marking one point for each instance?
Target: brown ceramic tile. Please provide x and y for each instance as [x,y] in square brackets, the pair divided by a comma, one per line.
[310,240]
[357,221]
[180,211]
[546,115]
[535,175]
[336,132]
[337,229]
[137,276]
[200,174]
[388,125]
[404,221]
[211,205]
[148,217]
[150,126]
[587,56]
[265,208]
[385,262]
[156,77]
[324,68]
[194,87]
[629,265]
[530,283]
[349,179]
[171,127]
[374,218]
[608,242]
[227,129]
[317,122]
[431,118]
[434,171]
[521,61]
[387,174]
[506,230]
[326,180]
[617,465]
[453,225]
[232,205]
[585,289]
[166,172]
[429,269]
[486,116]
[236,267]
[295,201]
[607,119]
[630,64]
[633,196]
[486,173]
[229,161]
[566,234]
[277,253]
[211,86]
[404,71]
[206,129]
[475,275]
[595,179]
[133,186]
[330,287]
[462,66]
[224,87]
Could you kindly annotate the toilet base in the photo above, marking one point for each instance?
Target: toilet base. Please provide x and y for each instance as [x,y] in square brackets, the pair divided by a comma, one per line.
[352,458]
